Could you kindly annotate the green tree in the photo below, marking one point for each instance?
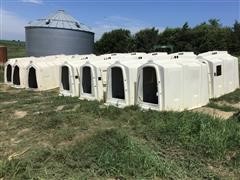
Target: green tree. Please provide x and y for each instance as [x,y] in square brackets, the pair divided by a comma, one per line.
[234,39]
[116,41]
[210,36]
[146,39]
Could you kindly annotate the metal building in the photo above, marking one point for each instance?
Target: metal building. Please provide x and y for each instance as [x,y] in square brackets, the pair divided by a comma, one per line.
[3,55]
[59,33]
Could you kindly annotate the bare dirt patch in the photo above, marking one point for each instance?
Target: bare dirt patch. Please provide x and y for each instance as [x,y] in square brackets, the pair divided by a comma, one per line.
[20,114]
[24,131]
[4,88]
[214,112]
[60,108]
[8,102]
[236,105]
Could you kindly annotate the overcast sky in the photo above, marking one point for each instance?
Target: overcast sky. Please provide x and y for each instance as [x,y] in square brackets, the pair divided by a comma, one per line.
[105,15]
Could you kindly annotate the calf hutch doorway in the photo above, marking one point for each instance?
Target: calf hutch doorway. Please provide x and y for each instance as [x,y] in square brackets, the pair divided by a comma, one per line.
[16,78]
[32,80]
[150,88]
[87,80]
[65,78]
[9,73]
[117,83]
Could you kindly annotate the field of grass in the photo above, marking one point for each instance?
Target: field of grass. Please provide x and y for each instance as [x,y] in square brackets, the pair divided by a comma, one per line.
[15,48]
[44,136]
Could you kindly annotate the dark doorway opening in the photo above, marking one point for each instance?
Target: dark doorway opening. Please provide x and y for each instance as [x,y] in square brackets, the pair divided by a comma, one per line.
[9,73]
[32,79]
[87,80]
[117,83]
[150,88]
[65,78]
[16,78]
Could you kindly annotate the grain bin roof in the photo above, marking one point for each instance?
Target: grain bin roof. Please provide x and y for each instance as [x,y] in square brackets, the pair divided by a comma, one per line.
[59,19]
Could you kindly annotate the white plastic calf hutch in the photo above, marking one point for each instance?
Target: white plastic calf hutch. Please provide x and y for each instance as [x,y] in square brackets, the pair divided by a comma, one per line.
[93,75]
[169,85]
[121,82]
[93,79]
[223,73]
[19,75]
[69,75]
[8,69]
[69,78]
[195,83]
[44,75]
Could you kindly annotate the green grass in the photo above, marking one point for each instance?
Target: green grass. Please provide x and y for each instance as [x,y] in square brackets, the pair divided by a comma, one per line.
[15,48]
[233,97]
[84,140]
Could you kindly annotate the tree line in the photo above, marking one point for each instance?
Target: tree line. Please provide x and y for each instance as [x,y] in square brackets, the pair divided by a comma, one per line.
[207,36]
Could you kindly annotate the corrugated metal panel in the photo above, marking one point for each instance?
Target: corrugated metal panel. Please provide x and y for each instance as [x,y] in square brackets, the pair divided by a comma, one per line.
[60,19]
[3,54]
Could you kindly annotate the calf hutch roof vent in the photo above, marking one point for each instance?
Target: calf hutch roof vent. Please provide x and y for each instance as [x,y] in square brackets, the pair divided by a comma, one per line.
[58,33]
[183,55]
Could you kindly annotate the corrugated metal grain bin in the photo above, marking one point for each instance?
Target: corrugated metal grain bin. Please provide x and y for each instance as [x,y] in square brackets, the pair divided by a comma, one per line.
[59,33]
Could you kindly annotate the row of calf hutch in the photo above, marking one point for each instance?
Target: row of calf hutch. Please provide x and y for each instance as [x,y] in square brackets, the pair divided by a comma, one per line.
[153,81]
